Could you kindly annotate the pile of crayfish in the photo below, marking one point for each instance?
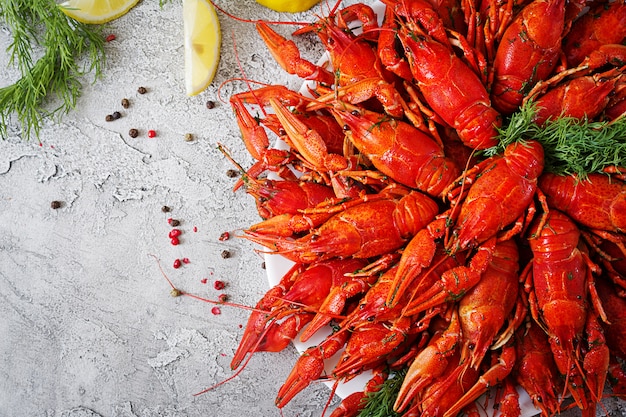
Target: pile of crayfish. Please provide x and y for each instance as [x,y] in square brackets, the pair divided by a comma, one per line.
[419,248]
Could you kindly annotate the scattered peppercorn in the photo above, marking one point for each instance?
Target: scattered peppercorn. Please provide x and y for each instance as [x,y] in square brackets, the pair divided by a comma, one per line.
[109,118]
[142,90]
[224,236]
[216,311]
[219,285]
[177,264]
[232,173]
[174,222]
[263,265]
[174,241]
[175,233]
[210,104]
[188,137]
[186,260]
[222,298]
[125,103]
[133,133]
[166,209]
[151,133]
[110,38]
[116,115]
[175,292]
[225,254]
[55,204]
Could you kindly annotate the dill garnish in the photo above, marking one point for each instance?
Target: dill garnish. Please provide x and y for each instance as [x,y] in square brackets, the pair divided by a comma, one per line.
[58,72]
[380,403]
[572,146]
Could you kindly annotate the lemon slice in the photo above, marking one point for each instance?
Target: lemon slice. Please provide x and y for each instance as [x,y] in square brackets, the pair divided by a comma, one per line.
[291,6]
[202,44]
[96,11]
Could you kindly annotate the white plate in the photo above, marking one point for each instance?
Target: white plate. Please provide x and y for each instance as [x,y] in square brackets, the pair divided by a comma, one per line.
[277,266]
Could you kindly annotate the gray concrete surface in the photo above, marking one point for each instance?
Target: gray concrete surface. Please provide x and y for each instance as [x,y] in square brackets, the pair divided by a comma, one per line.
[88,327]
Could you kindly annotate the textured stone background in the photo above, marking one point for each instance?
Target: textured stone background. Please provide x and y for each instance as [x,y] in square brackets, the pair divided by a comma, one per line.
[88,326]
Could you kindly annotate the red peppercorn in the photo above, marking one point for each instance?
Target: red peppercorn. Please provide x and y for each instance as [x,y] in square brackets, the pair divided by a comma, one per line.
[174,241]
[110,38]
[224,236]
[219,285]
[186,260]
[204,280]
[175,233]
[177,264]
[151,133]
[216,311]
[222,298]
[195,229]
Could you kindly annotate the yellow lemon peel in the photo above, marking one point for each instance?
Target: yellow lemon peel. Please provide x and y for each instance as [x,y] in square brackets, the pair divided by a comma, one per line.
[290,6]
[96,11]
[202,44]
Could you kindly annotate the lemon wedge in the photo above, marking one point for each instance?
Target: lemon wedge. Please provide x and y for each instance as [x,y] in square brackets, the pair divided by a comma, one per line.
[290,6]
[96,11]
[202,44]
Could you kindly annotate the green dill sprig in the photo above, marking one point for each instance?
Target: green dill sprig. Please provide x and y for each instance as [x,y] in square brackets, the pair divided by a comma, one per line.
[380,403]
[58,72]
[571,145]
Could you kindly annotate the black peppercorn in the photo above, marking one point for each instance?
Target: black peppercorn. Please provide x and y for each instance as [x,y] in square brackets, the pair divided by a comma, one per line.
[210,104]
[232,173]
[116,115]
[175,223]
[165,209]
[55,204]
[133,133]
[125,103]
[225,254]
[142,90]
[109,118]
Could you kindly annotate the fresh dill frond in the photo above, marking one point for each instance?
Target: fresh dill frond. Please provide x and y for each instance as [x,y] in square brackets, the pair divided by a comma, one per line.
[380,403]
[574,146]
[58,72]
[516,128]
[571,145]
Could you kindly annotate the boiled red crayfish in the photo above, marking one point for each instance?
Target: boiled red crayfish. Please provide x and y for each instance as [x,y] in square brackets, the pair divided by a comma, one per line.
[414,236]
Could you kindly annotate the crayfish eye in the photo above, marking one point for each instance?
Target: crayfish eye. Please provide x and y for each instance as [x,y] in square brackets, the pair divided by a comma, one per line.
[355,113]
[471,346]
[282,132]
[346,127]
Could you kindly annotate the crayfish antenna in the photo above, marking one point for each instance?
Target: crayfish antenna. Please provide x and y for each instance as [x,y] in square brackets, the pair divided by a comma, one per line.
[330,397]
[239,371]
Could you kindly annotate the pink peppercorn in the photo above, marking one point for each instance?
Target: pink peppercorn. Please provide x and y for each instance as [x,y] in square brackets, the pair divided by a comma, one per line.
[177,264]
[151,133]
